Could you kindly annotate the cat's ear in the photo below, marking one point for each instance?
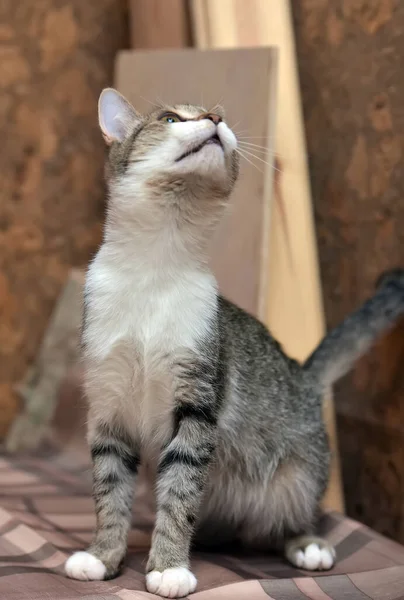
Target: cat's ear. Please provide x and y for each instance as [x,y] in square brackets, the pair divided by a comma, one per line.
[117,117]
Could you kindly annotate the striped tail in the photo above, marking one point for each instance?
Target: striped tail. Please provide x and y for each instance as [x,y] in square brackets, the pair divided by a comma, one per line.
[339,350]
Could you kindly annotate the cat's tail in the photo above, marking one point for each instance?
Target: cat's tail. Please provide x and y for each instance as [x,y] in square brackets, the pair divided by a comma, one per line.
[338,351]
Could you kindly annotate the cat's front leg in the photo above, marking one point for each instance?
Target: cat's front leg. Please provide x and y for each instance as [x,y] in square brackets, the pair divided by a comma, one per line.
[182,474]
[115,463]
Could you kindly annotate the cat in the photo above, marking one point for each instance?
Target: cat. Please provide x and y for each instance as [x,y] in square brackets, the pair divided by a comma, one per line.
[182,380]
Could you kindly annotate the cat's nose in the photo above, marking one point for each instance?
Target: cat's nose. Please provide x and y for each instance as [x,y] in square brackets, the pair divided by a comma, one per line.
[216,119]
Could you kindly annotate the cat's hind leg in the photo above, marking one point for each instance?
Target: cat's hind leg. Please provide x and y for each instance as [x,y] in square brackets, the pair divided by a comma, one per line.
[284,518]
[310,552]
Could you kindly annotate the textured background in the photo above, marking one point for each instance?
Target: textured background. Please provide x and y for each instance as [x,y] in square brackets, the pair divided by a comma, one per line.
[55,56]
[351,54]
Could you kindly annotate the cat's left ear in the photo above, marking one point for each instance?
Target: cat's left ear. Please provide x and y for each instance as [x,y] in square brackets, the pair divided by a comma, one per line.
[117,117]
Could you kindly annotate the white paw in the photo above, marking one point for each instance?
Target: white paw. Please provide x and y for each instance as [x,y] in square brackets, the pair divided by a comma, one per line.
[314,558]
[171,583]
[85,566]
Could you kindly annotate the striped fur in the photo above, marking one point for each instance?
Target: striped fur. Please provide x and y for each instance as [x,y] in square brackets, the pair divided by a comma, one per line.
[182,380]
[115,466]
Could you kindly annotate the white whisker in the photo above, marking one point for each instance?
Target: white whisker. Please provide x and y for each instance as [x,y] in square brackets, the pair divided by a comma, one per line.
[162,103]
[257,137]
[248,160]
[263,150]
[257,148]
[233,127]
[253,145]
[237,133]
[150,102]
[219,103]
[262,160]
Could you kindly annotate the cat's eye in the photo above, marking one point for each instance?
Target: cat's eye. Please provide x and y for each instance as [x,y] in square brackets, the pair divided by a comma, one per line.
[170,118]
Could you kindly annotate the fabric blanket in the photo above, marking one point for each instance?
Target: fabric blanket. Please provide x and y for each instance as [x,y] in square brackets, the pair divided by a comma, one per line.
[46,512]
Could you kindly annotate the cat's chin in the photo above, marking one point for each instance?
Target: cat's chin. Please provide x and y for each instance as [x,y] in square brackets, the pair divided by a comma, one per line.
[204,153]
[207,161]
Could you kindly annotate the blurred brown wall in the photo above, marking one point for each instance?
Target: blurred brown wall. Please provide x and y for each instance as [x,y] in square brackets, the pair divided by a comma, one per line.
[351,56]
[55,56]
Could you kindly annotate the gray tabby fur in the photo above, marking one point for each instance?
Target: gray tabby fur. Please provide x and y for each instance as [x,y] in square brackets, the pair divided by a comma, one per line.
[230,427]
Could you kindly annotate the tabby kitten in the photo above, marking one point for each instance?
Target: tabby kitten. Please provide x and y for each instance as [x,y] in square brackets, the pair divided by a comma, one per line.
[186,382]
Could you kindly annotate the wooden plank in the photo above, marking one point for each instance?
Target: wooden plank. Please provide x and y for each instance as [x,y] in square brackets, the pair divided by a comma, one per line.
[295,311]
[159,24]
[200,25]
[358,182]
[244,82]
[56,56]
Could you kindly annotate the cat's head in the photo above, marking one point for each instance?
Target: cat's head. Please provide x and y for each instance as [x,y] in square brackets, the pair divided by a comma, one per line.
[181,147]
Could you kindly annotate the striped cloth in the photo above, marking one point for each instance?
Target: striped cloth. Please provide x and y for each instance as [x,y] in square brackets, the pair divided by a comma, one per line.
[46,513]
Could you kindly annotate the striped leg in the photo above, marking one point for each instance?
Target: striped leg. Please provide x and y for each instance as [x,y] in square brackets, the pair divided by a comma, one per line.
[115,464]
[182,473]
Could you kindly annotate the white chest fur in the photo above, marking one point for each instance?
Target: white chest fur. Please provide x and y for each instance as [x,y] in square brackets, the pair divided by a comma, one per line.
[138,321]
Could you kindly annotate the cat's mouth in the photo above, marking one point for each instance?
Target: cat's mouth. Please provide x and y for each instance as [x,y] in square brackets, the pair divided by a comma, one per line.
[212,140]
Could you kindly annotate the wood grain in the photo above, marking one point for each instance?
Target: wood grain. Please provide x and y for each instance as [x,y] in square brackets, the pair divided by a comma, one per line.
[55,56]
[351,56]
[159,24]
[294,304]
[242,81]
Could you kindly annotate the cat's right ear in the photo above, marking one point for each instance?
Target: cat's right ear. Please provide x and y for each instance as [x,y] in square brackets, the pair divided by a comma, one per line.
[116,116]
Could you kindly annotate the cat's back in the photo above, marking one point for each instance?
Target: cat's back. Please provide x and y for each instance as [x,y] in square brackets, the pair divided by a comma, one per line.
[248,338]
[263,382]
